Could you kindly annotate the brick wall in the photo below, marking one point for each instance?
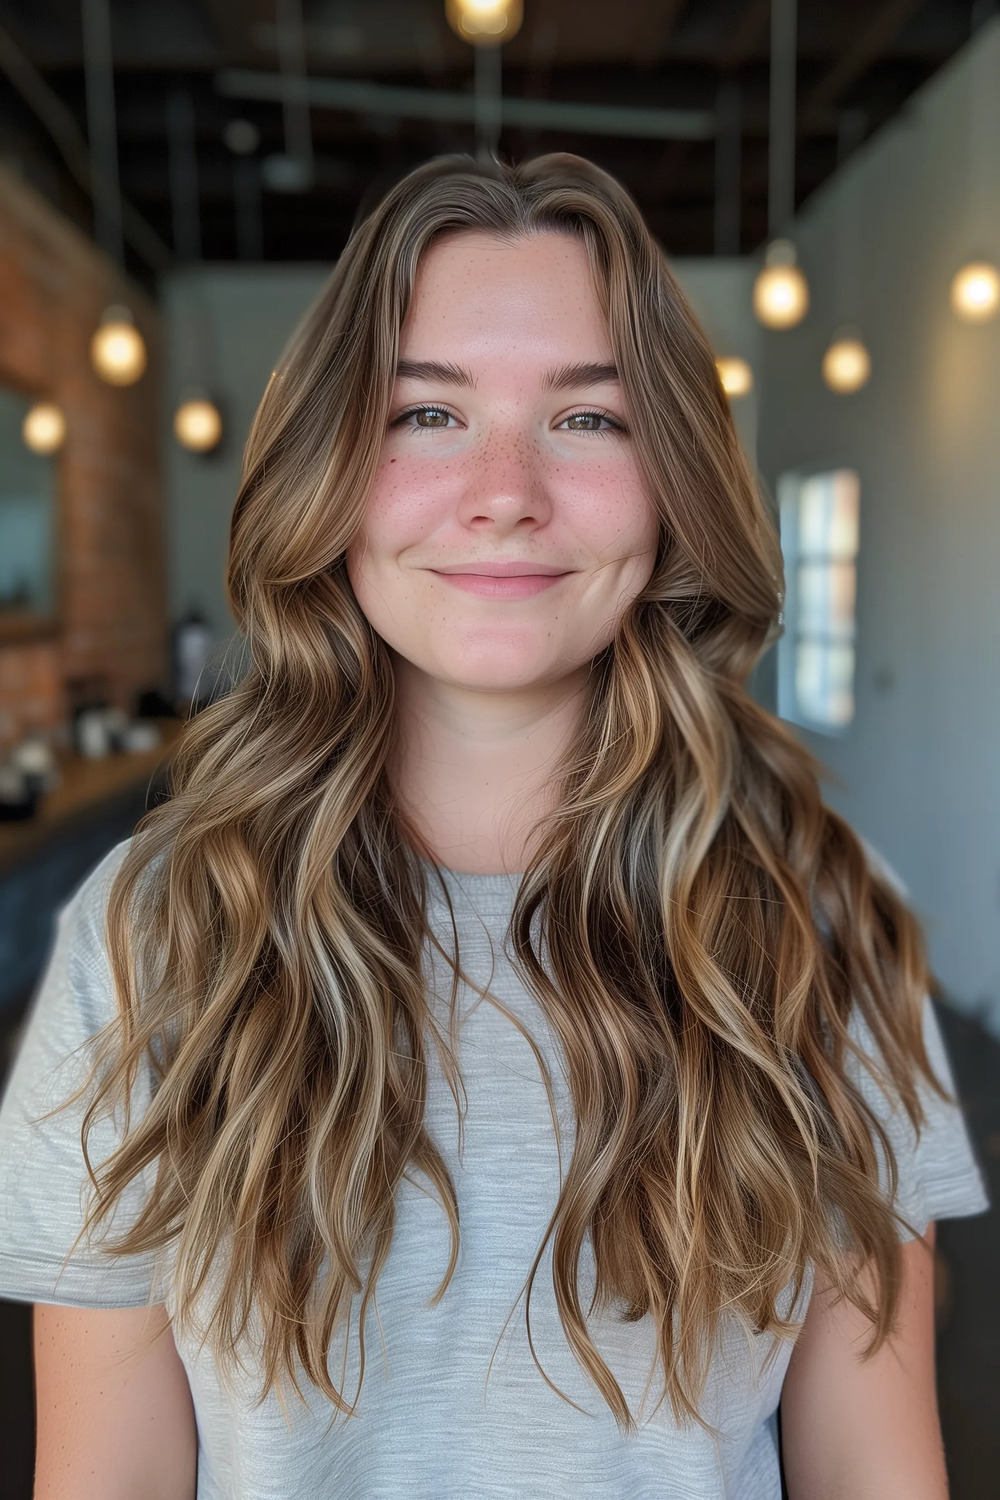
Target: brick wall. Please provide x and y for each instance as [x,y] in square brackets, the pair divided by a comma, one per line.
[111,582]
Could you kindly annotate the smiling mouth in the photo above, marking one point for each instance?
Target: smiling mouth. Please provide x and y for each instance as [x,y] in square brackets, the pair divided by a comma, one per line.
[499,585]
[504,570]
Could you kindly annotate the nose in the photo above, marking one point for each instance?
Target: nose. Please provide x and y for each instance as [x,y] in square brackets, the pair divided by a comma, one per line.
[505,484]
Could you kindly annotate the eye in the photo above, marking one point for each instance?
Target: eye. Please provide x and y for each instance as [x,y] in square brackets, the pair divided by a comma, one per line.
[424,417]
[591,421]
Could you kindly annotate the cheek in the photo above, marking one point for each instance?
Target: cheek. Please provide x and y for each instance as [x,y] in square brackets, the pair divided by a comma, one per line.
[406,499]
[611,508]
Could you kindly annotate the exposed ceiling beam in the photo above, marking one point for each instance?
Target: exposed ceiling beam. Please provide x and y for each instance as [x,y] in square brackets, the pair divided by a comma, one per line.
[433,104]
[664,174]
[869,43]
[653,31]
[229,22]
[749,31]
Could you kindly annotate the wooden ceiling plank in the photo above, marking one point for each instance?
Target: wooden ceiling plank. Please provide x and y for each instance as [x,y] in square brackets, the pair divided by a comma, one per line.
[750,29]
[657,19]
[872,41]
[231,23]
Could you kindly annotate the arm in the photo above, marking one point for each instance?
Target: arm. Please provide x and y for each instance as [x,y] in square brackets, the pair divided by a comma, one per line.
[115,1416]
[866,1431]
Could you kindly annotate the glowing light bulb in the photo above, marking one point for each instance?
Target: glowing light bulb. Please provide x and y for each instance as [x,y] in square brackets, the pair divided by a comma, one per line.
[198,424]
[44,427]
[484,23]
[780,292]
[117,350]
[975,292]
[846,364]
[735,374]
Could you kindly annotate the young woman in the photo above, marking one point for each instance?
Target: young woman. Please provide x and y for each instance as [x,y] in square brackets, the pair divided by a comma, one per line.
[669,1147]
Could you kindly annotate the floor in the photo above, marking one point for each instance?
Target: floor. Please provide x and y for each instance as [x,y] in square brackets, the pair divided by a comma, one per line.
[969,1326]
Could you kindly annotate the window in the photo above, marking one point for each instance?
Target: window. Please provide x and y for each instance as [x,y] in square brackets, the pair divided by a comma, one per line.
[819,540]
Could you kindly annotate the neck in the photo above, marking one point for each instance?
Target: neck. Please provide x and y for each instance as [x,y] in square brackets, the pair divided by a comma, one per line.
[474,769]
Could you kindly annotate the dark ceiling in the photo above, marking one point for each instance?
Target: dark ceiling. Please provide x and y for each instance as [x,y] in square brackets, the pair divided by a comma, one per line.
[858,62]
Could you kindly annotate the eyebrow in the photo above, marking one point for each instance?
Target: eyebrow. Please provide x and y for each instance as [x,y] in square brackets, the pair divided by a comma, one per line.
[432,369]
[566,377]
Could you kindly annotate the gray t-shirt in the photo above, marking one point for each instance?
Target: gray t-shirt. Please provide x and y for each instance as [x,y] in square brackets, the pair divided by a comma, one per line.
[428,1423]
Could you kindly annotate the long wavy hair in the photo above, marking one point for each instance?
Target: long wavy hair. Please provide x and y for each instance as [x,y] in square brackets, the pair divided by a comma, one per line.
[709,925]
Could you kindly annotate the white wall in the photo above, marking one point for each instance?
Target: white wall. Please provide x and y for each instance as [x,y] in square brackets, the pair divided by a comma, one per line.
[719,290]
[235,320]
[919,764]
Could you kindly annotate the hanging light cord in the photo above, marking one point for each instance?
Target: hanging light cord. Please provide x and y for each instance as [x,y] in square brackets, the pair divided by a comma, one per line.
[98,69]
[292,65]
[489,99]
[781,122]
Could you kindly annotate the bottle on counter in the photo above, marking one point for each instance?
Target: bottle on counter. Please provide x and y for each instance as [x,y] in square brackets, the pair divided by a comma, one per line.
[192,642]
[35,759]
[17,799]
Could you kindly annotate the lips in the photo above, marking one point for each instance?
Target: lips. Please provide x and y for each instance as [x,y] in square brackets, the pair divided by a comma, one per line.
[517,579]
[505,569]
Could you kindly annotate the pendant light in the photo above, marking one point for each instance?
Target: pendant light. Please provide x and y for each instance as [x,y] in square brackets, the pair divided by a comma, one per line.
[847,365]
[781,292]
[486,25]
[735,374]
[484,22]
[198,423]
[44,427]
[975,292]
[117,349]
[975,286]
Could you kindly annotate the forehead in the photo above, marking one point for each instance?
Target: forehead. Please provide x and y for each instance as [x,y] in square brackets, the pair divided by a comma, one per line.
[532,290]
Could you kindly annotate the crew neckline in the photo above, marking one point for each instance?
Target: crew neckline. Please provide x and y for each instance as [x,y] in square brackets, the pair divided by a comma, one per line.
[492,883]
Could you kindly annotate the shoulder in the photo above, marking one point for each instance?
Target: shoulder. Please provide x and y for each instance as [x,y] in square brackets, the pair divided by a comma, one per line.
[84,911]
[88,901]
[939,1172]
[79,953]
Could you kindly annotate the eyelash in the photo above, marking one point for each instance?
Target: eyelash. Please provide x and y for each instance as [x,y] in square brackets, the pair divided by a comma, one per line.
[415,411]
[595,411]
[613,423]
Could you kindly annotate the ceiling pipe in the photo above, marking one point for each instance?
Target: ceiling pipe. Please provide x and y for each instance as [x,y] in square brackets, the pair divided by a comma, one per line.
[361,97]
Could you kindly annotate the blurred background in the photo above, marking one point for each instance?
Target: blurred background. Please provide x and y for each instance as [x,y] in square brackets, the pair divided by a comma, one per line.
[177,178]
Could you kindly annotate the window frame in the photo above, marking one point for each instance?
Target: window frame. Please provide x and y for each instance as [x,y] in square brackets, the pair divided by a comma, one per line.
[788,491]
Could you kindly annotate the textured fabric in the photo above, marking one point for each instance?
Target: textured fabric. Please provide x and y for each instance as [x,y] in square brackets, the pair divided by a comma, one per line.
[428,1422]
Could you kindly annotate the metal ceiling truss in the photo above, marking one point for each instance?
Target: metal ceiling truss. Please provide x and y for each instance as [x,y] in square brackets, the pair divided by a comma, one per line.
[671,95]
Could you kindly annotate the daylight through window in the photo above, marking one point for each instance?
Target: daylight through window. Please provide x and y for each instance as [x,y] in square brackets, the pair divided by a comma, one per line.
[819,540]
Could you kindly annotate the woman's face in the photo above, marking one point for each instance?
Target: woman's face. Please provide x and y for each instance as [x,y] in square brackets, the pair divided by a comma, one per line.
[507,448]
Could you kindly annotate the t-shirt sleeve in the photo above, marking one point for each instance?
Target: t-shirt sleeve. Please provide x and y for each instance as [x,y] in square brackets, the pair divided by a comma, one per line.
[44,1186]
[939,1173]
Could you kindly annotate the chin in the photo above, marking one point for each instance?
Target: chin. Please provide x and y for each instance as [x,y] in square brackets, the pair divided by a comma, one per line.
[499,676]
